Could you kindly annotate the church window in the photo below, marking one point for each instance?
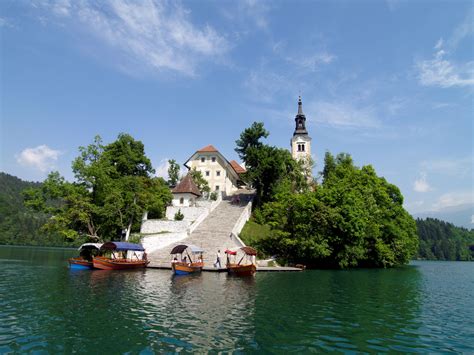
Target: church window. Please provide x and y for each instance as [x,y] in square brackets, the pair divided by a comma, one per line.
[181,201]
[218,173]
[213,159]
[203,159]
[300,147]
[208,173]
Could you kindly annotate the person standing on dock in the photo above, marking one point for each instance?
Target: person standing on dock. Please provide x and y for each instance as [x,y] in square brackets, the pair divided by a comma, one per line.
[218,259]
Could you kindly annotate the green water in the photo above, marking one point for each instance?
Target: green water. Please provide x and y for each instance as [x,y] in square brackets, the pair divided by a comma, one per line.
[46,308]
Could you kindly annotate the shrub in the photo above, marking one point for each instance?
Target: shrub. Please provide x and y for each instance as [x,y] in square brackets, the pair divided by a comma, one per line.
[214,196]
[178,216]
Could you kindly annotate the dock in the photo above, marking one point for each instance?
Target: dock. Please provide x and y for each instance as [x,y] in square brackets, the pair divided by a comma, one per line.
[215,269]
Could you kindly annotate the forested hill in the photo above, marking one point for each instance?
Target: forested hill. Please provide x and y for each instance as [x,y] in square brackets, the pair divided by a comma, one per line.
[18,225]
[441,240]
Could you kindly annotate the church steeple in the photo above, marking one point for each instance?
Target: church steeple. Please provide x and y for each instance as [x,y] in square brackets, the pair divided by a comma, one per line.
[300,120]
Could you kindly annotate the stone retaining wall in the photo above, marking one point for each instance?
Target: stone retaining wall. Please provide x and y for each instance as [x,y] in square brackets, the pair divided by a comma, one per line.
[157,225]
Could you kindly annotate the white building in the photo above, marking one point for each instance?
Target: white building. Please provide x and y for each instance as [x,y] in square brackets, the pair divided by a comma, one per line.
[185,193]
[221,174]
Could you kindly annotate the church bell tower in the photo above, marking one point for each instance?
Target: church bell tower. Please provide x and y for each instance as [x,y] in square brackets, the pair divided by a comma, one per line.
[301,141]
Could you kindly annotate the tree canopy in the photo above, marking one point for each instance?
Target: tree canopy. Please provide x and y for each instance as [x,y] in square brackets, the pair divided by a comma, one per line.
[114,186]
[266,165]
[173,173]
[355,218]
[441,240]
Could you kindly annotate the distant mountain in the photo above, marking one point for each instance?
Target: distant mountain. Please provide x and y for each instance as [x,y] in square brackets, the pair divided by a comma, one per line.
[440,240]
[18,225]
[461,216]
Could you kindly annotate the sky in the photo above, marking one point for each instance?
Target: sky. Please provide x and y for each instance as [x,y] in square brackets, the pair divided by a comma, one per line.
[389,82]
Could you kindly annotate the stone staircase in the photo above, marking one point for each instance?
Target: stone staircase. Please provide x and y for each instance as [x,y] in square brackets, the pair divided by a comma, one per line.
[213,234]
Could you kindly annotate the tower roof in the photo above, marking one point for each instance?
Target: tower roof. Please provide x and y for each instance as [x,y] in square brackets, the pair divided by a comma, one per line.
[208,148]
[186,185]
[300,121]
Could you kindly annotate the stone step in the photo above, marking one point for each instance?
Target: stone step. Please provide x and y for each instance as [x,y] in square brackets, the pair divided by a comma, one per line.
[212,234]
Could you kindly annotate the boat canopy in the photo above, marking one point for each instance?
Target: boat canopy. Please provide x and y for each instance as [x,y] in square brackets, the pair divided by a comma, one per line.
[230,252]
[122,246]
[249,250]
[90,246]
[179,249]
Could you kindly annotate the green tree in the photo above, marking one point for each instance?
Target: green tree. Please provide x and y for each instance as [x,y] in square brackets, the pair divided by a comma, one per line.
[355,218]
[266,165]
[250,138]
[173,172]
[113,188]
[200,182]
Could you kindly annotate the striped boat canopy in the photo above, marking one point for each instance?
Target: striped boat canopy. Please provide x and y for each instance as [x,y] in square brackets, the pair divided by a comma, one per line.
[179,249]
[122,246]
[90,246]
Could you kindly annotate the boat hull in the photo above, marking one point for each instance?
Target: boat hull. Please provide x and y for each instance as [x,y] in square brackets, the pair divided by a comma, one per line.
[241,270]
[80,264]
[186,268]
[118,264]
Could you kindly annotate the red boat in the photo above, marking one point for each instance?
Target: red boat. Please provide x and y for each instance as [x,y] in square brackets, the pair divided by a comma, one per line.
[248,268]
[123,256]
[186,265]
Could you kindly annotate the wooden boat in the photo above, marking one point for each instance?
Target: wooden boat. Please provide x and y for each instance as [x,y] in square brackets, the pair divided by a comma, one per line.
[86,252]
[123,256]
[186,265]
[242,269]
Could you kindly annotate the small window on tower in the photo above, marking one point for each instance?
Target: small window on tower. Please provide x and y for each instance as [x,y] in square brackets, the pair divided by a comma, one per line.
[302,147]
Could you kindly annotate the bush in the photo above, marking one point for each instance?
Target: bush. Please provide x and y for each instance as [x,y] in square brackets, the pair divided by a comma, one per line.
[135,238]
[214,196]
[178,216]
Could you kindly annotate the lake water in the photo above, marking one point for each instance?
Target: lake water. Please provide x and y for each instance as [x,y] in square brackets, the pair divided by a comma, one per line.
[47,308]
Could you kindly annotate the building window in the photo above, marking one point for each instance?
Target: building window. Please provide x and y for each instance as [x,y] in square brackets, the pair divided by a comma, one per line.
[213,159]
[208,173]
[218,173]
[300,147]
[217,187]
[203,159]
[181,201]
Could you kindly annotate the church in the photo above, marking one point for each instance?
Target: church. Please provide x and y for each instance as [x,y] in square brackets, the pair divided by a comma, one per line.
[224,176]
[300,142]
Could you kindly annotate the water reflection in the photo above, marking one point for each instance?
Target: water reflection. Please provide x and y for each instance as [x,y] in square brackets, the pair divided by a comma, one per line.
[361,310]
[45,307]
[206,311]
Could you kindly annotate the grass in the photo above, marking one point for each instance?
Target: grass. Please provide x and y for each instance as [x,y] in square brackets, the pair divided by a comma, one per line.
[253,234]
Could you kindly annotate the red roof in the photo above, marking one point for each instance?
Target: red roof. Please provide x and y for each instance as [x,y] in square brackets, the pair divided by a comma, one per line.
[208,148]
[238,169]
[186,185]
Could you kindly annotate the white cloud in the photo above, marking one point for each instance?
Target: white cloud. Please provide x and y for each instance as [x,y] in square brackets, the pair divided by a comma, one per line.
[264,86]
[42,158]
[445,73]
[421,185]
[459,167]
[454,199]
[162,169]
[440,70]
[153,33]
[342,114]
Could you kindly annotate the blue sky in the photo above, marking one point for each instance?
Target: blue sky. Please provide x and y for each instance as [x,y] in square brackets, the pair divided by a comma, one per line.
[390,82]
